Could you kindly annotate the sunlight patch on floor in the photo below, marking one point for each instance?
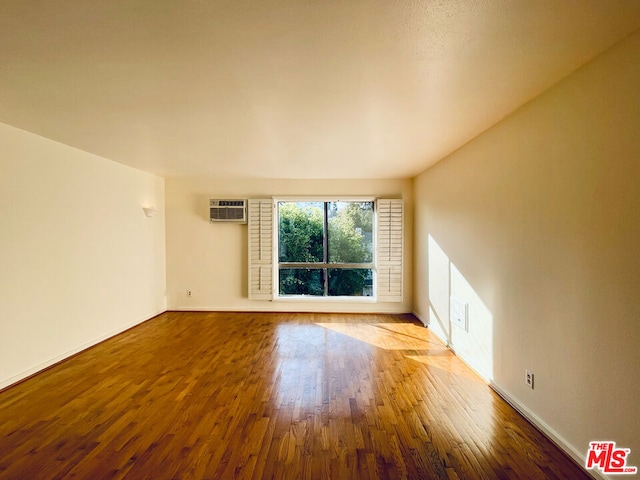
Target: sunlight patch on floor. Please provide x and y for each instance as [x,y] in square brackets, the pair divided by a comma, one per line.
[388,336]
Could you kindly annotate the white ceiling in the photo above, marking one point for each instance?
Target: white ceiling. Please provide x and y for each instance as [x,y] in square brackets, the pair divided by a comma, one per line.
[288,88]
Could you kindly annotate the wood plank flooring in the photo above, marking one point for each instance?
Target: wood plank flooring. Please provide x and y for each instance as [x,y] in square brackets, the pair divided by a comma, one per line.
[258,395]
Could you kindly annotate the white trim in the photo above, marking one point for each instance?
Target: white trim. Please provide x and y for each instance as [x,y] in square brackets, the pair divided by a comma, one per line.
[469,363]
[426,324]
[303,309]
[63,356]
[451,347]
[548,432]
[323,299]
[322,198]
[531,417]
[390,249]
[276,297]
[260,218]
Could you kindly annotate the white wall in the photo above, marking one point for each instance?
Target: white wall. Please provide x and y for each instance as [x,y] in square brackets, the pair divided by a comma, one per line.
[536,223]
[79,260]
[211,259]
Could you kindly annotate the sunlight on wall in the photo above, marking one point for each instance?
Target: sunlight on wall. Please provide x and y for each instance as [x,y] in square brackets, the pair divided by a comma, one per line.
[475,344]
[439,289]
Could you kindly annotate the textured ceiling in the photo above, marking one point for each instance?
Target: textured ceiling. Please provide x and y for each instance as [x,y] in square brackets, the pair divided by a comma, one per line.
[288,88]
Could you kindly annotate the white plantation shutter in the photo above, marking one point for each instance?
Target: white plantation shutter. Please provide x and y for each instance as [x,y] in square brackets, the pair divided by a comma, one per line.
[390,241]
[260,223]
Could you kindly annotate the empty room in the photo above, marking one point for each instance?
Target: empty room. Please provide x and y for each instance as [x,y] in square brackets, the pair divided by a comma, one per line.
[305,239]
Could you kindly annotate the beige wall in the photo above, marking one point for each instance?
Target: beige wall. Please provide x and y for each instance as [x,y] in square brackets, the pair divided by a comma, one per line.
[536,223]
[211,259]
[79,260]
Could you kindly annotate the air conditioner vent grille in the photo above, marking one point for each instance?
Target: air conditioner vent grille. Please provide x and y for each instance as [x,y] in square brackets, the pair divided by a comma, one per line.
[228,211]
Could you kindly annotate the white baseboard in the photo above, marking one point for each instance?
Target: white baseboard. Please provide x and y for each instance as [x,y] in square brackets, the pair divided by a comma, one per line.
[4,383]
[549,432]
[425,323]
[258,309]
[464,359]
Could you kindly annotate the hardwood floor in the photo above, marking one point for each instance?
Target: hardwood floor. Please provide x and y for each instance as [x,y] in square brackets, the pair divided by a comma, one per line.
[257,395]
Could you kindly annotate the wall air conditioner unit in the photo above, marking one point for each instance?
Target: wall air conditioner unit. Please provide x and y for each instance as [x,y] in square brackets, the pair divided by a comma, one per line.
[230,211]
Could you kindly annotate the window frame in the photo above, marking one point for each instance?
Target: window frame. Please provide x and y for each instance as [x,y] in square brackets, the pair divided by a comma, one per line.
[325,266]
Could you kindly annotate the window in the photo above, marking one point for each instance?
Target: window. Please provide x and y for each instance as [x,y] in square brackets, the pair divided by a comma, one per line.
[322,257]
[325,249]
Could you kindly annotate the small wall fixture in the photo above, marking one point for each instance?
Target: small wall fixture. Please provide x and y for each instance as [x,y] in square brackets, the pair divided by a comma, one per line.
[150,211]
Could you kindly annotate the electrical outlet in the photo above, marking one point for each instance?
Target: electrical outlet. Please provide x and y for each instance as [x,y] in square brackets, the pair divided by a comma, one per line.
[188,293]
[529,378]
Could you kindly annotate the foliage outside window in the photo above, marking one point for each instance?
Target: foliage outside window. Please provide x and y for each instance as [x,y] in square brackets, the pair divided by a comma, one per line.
[325,248]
